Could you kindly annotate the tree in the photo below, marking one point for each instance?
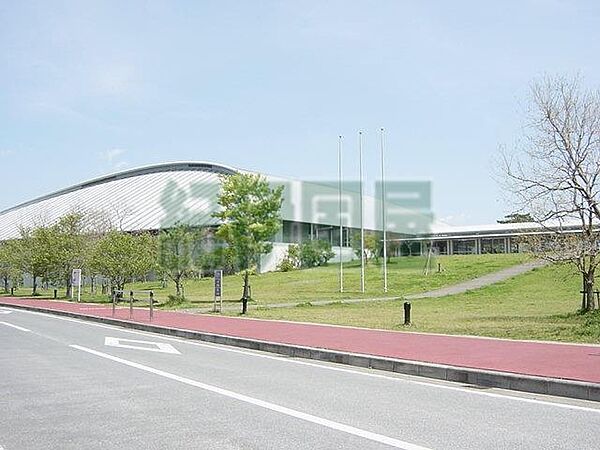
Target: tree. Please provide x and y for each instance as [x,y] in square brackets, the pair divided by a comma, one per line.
[120,256]
[9,264]
[178,249]
[250,215]
[373,245]
[66,249]
[554,175]
[35,254]
[516,218]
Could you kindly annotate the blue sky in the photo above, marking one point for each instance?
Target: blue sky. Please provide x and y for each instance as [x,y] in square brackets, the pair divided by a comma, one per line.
[90,87]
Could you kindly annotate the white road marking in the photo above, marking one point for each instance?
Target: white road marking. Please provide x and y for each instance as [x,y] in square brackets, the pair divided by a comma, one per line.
[5,311]
[261,403]
[14,326]
[408,379]
[160,347]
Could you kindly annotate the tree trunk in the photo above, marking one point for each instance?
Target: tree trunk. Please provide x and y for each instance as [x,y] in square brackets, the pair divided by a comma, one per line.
[34,292]
[69,288]
[178,287]
[5,279]
[588,302]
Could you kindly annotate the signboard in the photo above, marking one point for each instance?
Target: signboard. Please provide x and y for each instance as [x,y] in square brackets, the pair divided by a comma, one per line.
[218,282]
[76,277]
[218,289]
[76,281]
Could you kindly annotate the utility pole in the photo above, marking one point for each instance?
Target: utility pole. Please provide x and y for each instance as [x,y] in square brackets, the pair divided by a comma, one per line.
[383,213]
[362,228]
[340,212]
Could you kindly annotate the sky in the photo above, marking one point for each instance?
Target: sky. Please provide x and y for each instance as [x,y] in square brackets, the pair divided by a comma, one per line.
[91,87]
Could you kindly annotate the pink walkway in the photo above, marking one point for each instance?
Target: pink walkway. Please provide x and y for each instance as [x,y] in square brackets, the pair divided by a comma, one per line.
[575,362]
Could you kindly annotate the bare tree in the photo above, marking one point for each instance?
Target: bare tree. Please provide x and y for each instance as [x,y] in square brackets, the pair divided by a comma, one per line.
[554,174]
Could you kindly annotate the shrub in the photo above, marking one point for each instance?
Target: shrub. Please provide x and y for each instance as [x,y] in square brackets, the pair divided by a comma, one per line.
[315,253]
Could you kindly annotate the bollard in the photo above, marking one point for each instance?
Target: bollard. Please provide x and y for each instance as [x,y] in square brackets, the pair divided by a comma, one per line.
[131,304]
[151,305]
[406,313]
[12,291]
[244,304]
[55,294]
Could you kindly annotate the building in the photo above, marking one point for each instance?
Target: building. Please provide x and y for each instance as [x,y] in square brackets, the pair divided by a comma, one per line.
[477,239]
[156,197]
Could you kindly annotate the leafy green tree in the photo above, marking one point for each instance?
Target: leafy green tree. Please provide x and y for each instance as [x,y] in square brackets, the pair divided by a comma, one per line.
[10,271]
[120,256]
[250,216]
[373,245]
[66,244]
[178,249]
[35,250]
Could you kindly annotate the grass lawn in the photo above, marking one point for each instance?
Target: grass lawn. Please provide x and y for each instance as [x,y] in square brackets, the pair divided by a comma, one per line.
[541,304]
[405,276]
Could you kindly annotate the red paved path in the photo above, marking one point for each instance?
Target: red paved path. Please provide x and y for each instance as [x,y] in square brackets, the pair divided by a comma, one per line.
[575,362]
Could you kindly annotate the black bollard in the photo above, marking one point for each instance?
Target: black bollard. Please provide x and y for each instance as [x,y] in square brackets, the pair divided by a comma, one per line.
[55,294]
[406,313]
[12,291]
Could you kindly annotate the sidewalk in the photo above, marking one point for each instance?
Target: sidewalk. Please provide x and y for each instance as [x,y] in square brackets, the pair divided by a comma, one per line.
[579,363]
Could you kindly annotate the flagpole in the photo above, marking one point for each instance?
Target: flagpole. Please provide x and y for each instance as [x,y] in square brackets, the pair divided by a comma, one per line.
[340,212]
[362,228]
[383,213]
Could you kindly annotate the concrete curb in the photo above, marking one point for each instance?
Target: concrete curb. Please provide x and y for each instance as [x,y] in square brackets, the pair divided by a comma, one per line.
[479,377]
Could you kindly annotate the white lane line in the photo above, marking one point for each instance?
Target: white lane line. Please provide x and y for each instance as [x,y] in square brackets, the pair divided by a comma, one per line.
[261,403]
[5,311]
[15,326]
[324,366]
[160,347]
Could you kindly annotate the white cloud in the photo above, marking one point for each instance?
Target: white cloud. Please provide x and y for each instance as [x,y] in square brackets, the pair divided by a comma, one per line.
[113,158]
[6,152]
[112,154]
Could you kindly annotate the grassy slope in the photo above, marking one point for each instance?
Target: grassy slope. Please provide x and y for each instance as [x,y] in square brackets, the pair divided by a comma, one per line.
[405,276]
[541,304]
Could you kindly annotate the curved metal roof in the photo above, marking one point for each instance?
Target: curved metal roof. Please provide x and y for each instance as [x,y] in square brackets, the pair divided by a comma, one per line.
[158,196]
[144,198]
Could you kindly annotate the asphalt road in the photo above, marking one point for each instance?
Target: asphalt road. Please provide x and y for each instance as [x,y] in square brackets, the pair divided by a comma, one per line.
[66,383]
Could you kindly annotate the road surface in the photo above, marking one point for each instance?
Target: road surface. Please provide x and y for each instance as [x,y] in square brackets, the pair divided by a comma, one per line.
[71,384]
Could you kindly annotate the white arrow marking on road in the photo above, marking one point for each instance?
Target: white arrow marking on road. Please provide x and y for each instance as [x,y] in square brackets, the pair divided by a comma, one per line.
[147,345]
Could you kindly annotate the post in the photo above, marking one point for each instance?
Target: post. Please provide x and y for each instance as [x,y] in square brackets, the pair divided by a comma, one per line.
[340,212]
[131,304]
[55,294]
[12,291]
[114,301]
[383,214]
[362,228]
[406,313]
[151,305]
[245,294]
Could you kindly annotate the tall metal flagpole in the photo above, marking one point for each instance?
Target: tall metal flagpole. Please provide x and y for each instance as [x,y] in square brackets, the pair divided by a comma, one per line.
[362,228]
[383,213]
[340,212]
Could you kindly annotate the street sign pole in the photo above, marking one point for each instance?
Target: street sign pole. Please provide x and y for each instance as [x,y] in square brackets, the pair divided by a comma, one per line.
[218,291]
[76,281]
